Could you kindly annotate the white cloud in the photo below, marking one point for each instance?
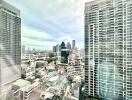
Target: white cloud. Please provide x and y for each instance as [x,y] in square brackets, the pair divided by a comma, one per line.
[44,20]
[28,31]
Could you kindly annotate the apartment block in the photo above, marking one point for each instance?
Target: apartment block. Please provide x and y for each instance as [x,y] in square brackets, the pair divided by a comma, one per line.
[108,49]
[10,45]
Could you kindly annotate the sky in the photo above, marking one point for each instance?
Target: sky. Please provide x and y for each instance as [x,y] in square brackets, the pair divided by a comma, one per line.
[49,22]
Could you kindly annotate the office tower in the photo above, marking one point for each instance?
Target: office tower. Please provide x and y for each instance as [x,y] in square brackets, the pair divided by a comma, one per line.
[68,45]
[108,49]
[58,48]
[58,52]
[63,46]
[73,44]
[64,53]
[10,45]
[54,49]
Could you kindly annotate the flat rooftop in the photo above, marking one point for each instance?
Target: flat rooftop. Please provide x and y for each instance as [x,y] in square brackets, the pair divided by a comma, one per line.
[9,8]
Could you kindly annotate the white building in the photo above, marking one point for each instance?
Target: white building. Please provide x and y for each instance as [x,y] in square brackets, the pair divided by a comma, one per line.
[76,65]
[28,69]
[108,49]
[10,45]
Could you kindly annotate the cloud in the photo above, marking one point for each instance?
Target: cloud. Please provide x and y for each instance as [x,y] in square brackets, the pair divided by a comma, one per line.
[51,21]
[35,34]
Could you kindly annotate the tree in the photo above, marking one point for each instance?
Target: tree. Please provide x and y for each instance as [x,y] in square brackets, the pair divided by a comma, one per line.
[23,76]
[38,76]
[69,78]
[51,55]
[49,60]
[30,80]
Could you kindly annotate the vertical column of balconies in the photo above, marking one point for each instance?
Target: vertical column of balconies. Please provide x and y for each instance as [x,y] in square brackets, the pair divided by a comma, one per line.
[119,34]
[129,51]
[87,91]
[101,42]
[93,48]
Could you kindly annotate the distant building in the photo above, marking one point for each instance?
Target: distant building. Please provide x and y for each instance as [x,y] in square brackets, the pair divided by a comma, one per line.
[76,64]
[10,45]
[54,49]
[64,53]
[63,46]
[73,44]
[58,53]
[28,68]
[68,45]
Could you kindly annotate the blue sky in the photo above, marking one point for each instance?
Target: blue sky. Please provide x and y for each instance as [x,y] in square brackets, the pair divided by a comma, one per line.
[48,22]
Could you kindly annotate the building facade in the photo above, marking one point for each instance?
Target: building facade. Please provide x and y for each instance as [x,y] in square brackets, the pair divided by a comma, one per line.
[108,49]
[68,45]
[64,53]
[54,49]
[10,44]
[73,44]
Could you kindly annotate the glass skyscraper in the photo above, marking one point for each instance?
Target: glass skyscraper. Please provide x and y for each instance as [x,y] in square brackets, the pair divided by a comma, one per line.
[108,49]
[10,45]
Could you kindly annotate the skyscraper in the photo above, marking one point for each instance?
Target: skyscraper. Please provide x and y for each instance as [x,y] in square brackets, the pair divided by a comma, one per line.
[64,53]
[63,46]
[108,49]
[54,49]
[58,52]
[73,44]
[10,45]
[68,45]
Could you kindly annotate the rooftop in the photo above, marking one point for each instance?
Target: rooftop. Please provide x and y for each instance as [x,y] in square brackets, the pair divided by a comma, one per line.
[21,83]
[9,8]
[93,2]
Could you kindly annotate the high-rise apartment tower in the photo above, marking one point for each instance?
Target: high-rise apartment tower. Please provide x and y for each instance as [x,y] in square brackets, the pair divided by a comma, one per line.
[73,44]
[108,49]
[10,45]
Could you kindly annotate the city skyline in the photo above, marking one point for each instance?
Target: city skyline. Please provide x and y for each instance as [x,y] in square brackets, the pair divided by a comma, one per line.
[66,50]
[44,21]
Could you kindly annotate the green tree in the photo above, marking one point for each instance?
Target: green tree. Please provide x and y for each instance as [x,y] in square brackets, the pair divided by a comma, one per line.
[51,55]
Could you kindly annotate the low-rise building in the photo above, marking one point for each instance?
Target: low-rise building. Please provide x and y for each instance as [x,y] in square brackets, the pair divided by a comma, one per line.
[28,69]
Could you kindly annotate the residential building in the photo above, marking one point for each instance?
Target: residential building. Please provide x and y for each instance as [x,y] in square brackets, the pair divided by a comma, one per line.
[108,49]
[23,90]
[10,45]
[28,68]
[75,62]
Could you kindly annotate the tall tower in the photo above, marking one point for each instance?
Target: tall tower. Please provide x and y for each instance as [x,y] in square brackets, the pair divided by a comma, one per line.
[68,45]
[10,45]
[73,44]
[63,46]
[108,49]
